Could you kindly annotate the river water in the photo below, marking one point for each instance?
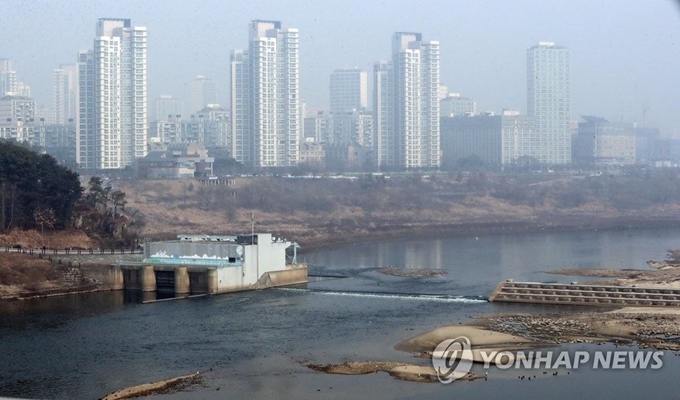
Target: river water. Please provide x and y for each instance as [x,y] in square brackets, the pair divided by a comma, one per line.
[252,343]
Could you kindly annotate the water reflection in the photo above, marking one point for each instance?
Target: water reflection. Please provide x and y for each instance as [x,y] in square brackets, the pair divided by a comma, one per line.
[87,345]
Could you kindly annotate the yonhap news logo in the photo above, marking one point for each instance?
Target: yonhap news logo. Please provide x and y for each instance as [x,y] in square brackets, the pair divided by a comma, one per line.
[453,358]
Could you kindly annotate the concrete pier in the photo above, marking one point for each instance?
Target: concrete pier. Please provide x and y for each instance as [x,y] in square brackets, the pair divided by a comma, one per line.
[211,281]
[577,294]
[115,278]
[182,280]
[147,279]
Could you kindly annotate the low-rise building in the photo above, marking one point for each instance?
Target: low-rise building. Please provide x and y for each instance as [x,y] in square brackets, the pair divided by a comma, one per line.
[600,142]
[176,161]
[494,139]
[312,153]
[454,105]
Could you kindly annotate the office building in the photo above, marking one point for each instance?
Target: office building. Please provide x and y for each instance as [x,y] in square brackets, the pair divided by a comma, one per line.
[494,139]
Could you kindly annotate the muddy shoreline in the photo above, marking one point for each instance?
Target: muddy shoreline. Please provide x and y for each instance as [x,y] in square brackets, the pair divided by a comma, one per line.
[473,229]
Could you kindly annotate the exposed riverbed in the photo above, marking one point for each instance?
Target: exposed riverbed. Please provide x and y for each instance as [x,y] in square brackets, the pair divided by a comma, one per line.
[256,343]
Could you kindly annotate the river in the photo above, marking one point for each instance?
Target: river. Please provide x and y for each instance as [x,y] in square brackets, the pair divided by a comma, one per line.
[252,343]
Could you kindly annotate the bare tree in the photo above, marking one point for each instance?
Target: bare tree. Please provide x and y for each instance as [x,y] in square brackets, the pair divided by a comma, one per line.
[44,217]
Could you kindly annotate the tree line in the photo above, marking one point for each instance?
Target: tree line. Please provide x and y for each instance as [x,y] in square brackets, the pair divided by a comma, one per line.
[38,193]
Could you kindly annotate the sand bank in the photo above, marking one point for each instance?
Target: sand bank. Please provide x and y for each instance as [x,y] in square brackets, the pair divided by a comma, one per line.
[403,371]
[148,389]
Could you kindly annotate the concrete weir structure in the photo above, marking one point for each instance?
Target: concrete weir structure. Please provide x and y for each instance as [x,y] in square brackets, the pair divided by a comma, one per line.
[588,295]
[206,264]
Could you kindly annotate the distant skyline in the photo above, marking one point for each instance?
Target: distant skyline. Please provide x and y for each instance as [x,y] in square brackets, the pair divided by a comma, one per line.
[625,53]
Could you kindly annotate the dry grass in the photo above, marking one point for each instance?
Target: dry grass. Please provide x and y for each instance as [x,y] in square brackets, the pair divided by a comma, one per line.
[295,209]
[52,239]
[21,273]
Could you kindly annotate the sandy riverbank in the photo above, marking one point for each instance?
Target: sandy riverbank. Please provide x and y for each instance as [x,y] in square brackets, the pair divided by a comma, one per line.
[160,387]
[422,347]
[403,371]
[661,274]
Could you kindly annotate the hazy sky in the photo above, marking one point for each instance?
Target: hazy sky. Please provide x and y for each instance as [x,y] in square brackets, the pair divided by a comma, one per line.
[625,53]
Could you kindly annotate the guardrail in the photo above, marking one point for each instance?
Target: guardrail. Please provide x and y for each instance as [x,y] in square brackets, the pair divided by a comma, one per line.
[72,251]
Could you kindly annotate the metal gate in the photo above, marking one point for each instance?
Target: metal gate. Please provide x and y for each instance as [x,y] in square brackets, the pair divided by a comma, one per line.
[165,281]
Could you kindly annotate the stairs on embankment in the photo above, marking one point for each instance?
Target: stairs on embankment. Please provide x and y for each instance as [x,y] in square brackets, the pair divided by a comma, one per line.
[589,295]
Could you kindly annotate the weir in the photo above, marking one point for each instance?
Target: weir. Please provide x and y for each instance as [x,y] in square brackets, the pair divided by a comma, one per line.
[588,295]
[203,264]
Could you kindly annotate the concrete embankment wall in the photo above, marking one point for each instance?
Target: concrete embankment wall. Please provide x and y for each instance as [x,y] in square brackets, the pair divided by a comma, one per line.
[110,276]
[289,276]
[590,295]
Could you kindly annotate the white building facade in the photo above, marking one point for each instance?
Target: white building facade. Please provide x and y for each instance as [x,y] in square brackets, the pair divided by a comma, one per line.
[406,104]
[265,95]
[549,102]
[454,105]
[203,92]
[17,119]
[9,84]
[112,97]
[167,107]
[64,93]
[348,90]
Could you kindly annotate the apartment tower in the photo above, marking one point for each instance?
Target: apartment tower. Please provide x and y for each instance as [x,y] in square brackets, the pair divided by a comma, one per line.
[406,104]
[549,102]
[265,97]
[112,97]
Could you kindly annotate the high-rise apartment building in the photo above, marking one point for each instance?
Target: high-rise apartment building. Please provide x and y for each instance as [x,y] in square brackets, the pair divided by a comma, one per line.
[112,97]
[348,90]
[454,105]
[211,128]
[9,84]
[167,107]
[203,92]
[406,104]
[265,97]
[8,78]
[17,118]
[64,93]
[549,102]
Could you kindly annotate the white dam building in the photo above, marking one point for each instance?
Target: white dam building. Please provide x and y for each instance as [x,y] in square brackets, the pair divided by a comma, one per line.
[206,264]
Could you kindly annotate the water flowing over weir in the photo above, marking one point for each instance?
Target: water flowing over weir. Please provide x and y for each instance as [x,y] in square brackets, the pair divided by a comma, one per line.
[86,346]
[392,295]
